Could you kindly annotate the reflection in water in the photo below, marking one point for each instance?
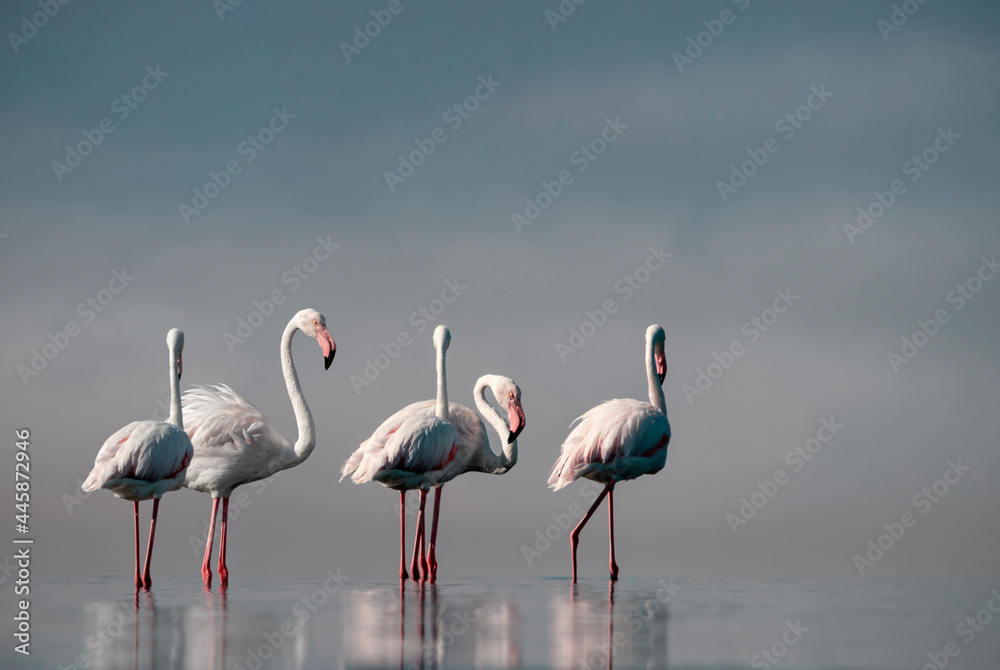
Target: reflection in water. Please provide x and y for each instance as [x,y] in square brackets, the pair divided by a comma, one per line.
[595,625]
[419,626]
[594,628]
[201,635]
[287,624]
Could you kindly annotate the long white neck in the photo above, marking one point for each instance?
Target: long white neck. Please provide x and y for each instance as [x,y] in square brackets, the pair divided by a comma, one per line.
[175,417]
[441,404]
[655,390]
[485,460]
[306,441]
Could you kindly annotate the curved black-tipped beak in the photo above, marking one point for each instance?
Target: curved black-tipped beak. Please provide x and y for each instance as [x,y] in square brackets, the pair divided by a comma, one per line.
[515,417]
[179,366]
[327,344]
[661,367]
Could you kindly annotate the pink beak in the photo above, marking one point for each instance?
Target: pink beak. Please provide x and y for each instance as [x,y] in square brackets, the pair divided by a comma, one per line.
[515,417]
[661,367]
[327,344]
[180,365]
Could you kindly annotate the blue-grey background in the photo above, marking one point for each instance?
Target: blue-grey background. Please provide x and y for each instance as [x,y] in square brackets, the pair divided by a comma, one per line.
[324,176]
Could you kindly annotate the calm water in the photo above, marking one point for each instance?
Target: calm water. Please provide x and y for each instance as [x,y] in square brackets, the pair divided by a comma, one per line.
[509,623]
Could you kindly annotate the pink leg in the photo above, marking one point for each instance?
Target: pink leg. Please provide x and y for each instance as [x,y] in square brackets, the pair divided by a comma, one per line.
[138,577]
[418,565]
[206,569]
[146,579]
[403,576]
[432,554]
[611,531]
[425,568]
[223,571]
[574,537]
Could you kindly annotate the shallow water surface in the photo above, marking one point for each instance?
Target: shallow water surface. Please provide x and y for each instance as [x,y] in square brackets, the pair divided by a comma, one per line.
[635,623]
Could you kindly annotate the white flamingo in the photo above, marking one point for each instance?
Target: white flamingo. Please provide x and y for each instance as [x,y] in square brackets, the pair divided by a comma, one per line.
[419,452]
[146,459]
[618,440]
[473,453]
[235,444]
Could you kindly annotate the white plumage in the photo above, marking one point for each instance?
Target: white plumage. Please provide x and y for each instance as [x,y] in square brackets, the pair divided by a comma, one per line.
[617,440]
[146,459]
[143,460]
[473,445]
[235,444]
[418,454]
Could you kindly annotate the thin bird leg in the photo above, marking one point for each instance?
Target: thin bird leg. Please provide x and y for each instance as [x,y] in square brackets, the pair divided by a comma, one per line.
[146,579]
[611,530]
[425,568]
[574,537]
[206,569]
[432,554]
[223,571]
[403,576]
[419,562]
[138,577]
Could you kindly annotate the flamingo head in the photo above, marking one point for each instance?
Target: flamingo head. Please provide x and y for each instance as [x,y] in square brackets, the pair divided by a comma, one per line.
[508,394]
[175,342]
[442,337]
[654,340]
[313,324]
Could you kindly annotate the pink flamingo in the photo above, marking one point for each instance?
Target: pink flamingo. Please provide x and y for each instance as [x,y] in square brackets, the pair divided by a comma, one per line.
[618,440]
[146,459]
[417,454]
[235,444]
[473,441]
[472,451]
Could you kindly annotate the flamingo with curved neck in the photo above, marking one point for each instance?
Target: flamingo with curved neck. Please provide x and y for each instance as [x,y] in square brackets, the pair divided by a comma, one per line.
[475,442]
[473,453]
[235,444]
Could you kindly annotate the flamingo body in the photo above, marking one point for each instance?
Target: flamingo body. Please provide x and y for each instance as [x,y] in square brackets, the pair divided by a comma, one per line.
[469,429]
[618,440]
[421,453]
[143,460]
[235,443]
[473,443]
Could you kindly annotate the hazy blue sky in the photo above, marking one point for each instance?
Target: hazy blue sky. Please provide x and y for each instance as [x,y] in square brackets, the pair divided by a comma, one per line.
[670,101]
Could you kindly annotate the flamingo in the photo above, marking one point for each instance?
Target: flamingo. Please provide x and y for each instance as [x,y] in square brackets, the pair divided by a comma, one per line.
[617,440]
[473,450]
[146,459]
[475,444]
[415,454]
[235,444]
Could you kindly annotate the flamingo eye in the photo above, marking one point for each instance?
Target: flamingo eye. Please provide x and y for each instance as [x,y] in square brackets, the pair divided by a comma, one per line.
[511,394]
[315,322]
